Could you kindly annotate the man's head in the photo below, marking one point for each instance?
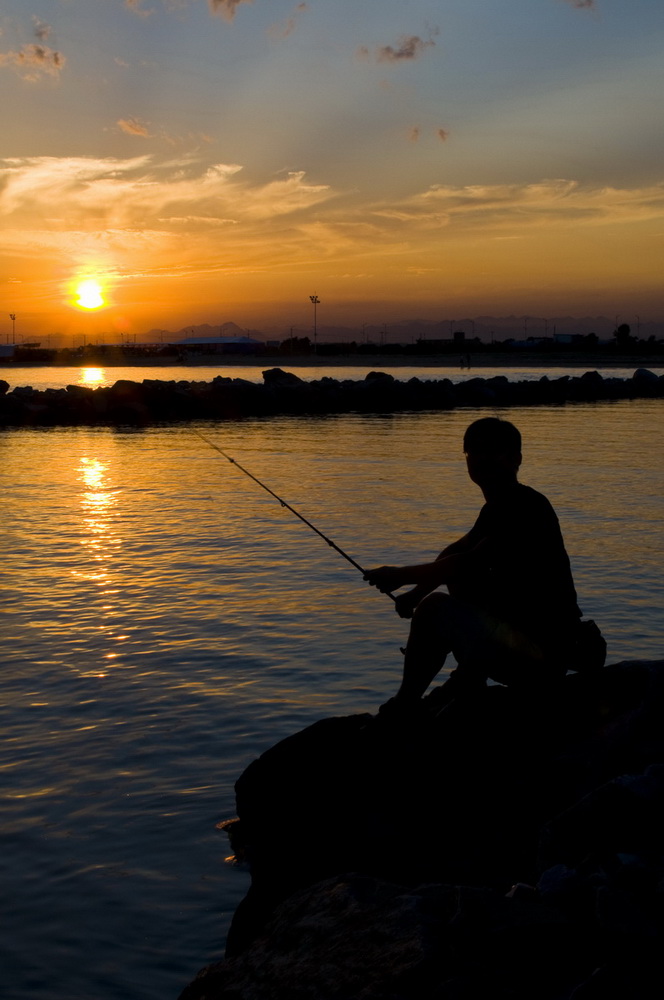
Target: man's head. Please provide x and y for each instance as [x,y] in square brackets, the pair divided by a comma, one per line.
[493,452]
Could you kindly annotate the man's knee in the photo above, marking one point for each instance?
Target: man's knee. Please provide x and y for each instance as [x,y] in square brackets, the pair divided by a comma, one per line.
[435,607]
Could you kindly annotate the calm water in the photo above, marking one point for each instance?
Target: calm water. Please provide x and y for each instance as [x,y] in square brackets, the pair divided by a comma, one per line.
[166,621]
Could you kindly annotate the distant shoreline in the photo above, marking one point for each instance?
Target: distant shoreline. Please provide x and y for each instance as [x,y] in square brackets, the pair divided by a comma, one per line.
[496,359]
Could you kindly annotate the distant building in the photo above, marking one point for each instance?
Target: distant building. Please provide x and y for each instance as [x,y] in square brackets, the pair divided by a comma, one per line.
[571,338]
[221,345]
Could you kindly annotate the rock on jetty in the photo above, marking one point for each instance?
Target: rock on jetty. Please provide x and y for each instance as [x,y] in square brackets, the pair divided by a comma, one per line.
[507,850]
[153,401]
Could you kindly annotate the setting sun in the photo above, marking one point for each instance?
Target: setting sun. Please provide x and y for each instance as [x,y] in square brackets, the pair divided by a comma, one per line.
[89,294]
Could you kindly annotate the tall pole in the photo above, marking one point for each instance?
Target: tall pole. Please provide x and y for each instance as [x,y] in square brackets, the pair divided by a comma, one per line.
[314,301]
[12,317]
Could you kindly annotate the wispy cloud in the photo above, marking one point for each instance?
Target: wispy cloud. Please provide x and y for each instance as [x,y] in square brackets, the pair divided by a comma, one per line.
[140,192]
[145,130]
[41,29]
[442,134]
[136,6]
[283,29]
[226,8]
[132,214]
[195,221]
[408,47]
[111,192]
[414,133]
[34,61]
[590,4]
[523,207]
[133,126]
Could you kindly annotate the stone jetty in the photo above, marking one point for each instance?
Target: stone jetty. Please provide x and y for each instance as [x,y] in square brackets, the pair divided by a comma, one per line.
[153,401]
[506,849]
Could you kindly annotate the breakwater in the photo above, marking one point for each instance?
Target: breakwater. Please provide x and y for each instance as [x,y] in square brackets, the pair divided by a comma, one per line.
[153,401]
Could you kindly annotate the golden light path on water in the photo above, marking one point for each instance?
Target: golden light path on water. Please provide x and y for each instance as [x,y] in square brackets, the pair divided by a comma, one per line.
[93,377]
[99,539]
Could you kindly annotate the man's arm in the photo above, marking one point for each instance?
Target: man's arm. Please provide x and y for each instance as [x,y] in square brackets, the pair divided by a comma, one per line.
[447,568]
[405,604]
[466,543]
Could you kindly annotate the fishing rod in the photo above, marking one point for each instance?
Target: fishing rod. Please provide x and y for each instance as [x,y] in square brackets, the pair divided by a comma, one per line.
[283,503]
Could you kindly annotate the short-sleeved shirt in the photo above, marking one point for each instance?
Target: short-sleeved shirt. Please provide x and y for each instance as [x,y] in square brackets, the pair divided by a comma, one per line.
[524,577]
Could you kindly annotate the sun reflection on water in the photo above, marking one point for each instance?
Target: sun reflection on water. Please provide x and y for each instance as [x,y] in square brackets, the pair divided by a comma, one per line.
[99,538]
[92,377]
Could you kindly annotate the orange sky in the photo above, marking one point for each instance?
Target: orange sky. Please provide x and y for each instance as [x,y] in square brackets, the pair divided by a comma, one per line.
[207,162]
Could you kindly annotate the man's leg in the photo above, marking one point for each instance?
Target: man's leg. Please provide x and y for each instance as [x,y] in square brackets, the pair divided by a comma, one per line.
[434,633]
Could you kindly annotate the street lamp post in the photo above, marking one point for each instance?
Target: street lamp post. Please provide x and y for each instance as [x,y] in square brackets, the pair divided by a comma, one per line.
[12,317]
[314,301]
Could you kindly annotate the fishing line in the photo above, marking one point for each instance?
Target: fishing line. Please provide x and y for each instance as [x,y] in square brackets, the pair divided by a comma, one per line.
[283,503]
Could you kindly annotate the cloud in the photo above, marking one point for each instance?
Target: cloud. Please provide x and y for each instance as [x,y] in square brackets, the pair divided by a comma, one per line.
[141,193]
[163,220]
[507,208]
[136,8]
[226,8]
[133,126]
[442,134]
[589,4]
[414,133]
[42,30]
[33,61]
[285,28]
[408,47]
[136,126]
[110,192]
[186,219]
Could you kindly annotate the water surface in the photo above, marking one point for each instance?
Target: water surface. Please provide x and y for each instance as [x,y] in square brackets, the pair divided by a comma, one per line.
[166,621]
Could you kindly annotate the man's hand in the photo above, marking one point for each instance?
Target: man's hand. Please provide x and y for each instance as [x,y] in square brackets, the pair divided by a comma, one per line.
[385,578]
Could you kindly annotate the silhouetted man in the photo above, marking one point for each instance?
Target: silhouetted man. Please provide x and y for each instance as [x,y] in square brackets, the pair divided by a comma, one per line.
[510,612]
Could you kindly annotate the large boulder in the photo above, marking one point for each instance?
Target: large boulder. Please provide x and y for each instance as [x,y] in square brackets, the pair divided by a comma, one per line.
[357,938]
[562,799]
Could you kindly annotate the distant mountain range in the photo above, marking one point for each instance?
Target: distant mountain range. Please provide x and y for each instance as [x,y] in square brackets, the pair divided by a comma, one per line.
[487,328]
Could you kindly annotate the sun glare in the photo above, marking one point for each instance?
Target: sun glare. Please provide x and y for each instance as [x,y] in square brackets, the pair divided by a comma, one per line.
[92,377]
[89,294]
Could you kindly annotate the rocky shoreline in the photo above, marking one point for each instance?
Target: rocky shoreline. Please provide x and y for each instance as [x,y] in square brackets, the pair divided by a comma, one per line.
[283,393]
[502,849]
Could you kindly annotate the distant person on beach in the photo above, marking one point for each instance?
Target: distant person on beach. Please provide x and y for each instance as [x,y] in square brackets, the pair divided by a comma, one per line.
[511,611]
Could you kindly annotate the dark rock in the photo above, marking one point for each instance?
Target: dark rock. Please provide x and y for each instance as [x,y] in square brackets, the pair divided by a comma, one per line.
[277,378]
[358,937]
[79,391]
[283,392]
[645,375]
[4,386]
[437,815]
